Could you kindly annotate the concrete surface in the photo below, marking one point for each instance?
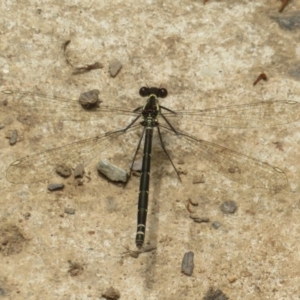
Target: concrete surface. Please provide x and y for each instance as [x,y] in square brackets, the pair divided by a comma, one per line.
[206,55]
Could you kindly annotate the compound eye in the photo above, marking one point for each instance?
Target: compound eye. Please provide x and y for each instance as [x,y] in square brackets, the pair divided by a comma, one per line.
[144,91]
[163,93]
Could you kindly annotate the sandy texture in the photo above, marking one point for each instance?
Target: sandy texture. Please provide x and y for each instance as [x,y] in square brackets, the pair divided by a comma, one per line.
[206,55]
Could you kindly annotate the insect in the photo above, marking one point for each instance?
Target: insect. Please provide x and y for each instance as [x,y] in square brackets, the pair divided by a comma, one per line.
[151,116]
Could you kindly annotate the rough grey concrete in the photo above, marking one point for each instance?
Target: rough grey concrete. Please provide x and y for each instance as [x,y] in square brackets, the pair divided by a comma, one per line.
[206,55]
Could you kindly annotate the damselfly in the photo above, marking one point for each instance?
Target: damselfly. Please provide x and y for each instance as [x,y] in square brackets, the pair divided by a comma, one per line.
[233,165]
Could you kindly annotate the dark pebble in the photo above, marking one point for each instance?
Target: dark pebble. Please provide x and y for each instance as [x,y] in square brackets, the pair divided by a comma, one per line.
[55,186]
[216,225]
[14,137]
[187,265]
[228,207]
[199,219]
[69,211]
[89,99]
[63,170]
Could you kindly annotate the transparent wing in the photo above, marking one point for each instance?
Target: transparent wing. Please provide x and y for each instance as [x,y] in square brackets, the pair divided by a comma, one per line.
[260,114]
[42,165]
[44,107]
[235,166]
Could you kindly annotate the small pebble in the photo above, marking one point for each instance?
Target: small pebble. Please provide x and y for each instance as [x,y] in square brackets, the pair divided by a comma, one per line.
[14,137]
[79,170]
[89,99]
[199,219]
[111,171]
[228,207]
[114,67]
[216,225]
[55,186]
[63,170]
[69,211]
[2,126]
[187,265]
